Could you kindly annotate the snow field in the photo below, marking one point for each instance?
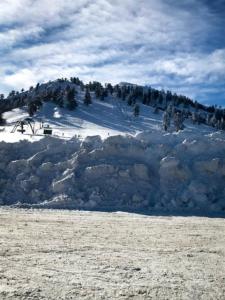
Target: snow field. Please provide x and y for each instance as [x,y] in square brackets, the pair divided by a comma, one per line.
[52,255]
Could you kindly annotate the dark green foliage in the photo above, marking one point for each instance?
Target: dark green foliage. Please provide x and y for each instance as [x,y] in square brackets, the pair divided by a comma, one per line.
[87,98]
[119,92]
[136,110]
[32,108]
[104,94]
[98,92]
[37,86]
[76,81]
[71,103]
[38,103]
[130,100]
[12,94]
[57,97]
[109,87]
[145,99]
[2,120]
[160,98]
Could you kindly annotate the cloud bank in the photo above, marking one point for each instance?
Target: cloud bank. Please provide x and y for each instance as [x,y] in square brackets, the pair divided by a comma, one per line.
[162,43]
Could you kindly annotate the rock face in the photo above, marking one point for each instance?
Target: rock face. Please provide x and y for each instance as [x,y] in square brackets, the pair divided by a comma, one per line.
[147,172]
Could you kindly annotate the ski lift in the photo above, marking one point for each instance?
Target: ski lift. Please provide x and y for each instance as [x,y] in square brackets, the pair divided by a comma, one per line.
[19,126]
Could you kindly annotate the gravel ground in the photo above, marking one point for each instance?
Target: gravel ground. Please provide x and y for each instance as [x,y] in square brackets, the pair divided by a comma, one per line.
[86,255]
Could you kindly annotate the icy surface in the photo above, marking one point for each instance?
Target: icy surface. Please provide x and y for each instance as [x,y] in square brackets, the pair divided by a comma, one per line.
[81,255]
[152,171]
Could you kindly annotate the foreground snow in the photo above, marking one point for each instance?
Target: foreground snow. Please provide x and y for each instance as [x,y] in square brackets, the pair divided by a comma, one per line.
[152,171]
[77,255]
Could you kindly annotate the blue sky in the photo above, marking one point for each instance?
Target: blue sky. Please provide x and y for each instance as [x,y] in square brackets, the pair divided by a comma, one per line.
[171,44]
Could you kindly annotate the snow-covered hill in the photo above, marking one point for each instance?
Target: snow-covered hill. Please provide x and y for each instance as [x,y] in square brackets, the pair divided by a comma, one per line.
[103,157]
[105,118]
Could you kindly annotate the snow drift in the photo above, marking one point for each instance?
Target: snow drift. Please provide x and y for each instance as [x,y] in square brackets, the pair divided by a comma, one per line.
[152,171]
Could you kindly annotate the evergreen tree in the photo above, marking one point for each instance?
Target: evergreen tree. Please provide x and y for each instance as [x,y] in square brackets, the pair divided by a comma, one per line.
[98,92]
[166,120]
[136,110]
[2,121]
[87,98]
[37,86]
[178,121]
[31,108]
[119,92]
[109,87]
[104,94]
[145,99]
[130,100]
[160,98]
[71,101]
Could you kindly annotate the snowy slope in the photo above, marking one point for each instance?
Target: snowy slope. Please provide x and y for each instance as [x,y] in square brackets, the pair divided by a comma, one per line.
[102,157]
[105,118]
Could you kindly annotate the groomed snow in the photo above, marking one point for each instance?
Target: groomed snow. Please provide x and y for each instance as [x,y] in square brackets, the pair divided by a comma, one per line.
[151,171]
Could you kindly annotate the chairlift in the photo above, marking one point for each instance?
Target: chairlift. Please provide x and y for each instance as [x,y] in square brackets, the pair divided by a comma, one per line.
[19,126]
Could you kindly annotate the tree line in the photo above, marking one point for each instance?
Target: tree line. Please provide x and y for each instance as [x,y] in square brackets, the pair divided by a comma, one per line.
[63,92]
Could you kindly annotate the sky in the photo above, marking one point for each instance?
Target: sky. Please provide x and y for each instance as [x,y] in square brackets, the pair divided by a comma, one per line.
[176,45]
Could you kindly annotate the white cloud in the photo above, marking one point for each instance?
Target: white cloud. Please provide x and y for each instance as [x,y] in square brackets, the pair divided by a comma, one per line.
[143,41]
[196,67]
[13,36]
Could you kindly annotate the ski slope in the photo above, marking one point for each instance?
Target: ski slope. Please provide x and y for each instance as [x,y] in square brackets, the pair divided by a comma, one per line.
[104,118]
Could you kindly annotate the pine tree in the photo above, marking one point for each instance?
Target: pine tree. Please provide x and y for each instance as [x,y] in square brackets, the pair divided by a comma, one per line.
[98,92]
[2,121]
[160,98]
[71,101]
[87,98]
[110,88]
[130,100]
[119,92]
[37,86]
[166,120]
[104,94]
[136,110]
[178,121]
[145,99]
[31,108]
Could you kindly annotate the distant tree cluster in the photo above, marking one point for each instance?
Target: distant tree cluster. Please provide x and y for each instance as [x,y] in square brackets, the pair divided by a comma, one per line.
[63,92]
